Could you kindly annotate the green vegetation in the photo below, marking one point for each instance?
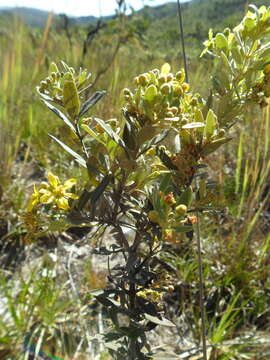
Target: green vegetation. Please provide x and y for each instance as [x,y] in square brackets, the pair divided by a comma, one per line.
[125,175]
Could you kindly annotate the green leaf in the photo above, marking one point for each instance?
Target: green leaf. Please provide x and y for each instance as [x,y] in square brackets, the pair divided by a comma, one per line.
[214,145]
[155,140]
[95,195]
[225,61]
[150,93]
[91,101]
[96,292]
[53,68]
[71,98]
[60,115]
[186,197]
[166,160]
[182,228]
[156,320]
[210,124]
[165,184]
[129,136]
[93,134]
[237,55]
[111,133]
[83,199]
[198,116]
[165,69]
[221,41]
[78,157]
[44,96]
[193,125]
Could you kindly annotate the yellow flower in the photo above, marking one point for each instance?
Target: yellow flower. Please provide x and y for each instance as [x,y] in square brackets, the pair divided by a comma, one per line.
[34,200]
[55,193]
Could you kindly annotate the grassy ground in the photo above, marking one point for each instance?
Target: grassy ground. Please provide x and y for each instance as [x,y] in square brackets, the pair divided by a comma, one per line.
[236,241]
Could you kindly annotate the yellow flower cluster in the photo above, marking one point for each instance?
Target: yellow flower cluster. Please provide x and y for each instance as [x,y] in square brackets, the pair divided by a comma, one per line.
[52,192]
[159,96]
[151,294]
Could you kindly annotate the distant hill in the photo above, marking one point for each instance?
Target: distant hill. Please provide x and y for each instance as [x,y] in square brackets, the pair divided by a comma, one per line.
[161,22]
[198,17]
[210,12]
[38,18]
[32,17]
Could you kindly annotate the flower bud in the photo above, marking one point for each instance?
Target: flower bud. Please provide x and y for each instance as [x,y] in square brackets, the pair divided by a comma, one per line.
[221,133]
[266,69]
[162,79]
[180,76]
[170,288]
[169,199]
[165,89]
[185,86]
[143,79]
[166,105]
[99,129]
[181,209]
[193,102]
[113,123]
[43,84]
[136,80]
[169,235]
[151,152]
[169,114]
[153,216]
[227,32]
[156,72]
[48,80]
[53,75]
[174,110]
[127,92]
[178,91]
[169,77]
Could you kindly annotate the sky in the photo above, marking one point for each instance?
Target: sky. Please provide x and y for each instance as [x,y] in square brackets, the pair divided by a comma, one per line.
[80,7]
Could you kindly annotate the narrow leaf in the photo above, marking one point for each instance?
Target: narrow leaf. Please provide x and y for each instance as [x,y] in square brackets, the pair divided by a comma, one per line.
[71,98]
[111,133]
[158,321]
[155,140]
[91,101]
[60,115]
[93,134]
[95,195]
[166,160]
[210,124]
[182,228]
[78,157]
[214,145]
[129,136]
[193,125]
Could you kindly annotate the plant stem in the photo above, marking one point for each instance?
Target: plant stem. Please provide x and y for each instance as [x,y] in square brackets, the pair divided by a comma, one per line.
[198,238]
[78,133]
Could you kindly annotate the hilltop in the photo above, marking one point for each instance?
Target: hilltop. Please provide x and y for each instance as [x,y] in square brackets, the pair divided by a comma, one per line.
[198,14]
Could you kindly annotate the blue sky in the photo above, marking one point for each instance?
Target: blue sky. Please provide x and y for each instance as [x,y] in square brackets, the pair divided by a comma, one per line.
[80,7]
